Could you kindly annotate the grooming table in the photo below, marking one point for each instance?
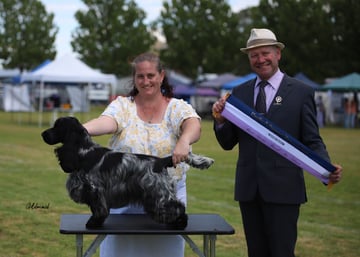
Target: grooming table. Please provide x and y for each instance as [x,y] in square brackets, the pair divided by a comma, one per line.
[208,225]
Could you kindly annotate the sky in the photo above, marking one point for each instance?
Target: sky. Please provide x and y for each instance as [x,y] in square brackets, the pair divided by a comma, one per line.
[64,11]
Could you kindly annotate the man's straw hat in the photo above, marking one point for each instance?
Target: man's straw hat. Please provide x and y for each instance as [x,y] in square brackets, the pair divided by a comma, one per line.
[261,37]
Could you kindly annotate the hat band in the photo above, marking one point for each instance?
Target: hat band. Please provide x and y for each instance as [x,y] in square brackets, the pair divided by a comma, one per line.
[261,42]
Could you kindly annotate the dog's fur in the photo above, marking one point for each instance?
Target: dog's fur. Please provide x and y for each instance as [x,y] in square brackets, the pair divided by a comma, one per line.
[104,179]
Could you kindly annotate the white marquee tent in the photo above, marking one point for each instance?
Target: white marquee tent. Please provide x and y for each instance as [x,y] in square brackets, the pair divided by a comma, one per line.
[66,70]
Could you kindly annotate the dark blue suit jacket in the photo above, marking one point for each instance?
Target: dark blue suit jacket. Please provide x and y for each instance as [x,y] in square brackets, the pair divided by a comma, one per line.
[259,167]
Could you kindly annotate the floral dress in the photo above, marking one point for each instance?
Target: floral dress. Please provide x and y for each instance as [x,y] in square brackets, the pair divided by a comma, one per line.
[159,139]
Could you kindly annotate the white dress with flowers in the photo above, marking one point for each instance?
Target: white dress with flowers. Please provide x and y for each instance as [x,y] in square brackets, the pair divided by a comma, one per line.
[137,136]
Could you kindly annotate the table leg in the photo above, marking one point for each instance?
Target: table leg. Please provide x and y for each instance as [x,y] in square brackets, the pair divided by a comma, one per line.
[193,246]
[209,245]
[212,239]
[206,245]
[79,245]
[94,245]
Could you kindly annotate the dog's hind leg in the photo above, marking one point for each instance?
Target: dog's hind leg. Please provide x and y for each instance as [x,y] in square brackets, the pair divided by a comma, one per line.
[161,203]
[175,215]
[172,213]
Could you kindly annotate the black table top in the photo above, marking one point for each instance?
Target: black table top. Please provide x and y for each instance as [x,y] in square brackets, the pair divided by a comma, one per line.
[142,224]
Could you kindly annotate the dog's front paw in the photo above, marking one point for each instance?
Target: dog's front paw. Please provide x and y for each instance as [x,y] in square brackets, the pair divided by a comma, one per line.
[180,223]
[95,222]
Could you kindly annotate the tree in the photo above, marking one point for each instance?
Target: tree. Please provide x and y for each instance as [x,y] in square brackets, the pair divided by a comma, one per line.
[319,35]
[200,33]
[345,19]
[245,23]
[27,34]
[110,33]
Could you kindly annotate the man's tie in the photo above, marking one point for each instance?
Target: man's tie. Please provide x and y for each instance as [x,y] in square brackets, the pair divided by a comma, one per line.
[260,105]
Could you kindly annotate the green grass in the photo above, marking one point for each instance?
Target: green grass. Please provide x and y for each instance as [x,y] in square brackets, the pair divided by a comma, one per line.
[329,223]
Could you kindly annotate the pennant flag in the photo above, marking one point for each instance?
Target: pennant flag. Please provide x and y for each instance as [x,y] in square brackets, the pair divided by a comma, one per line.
[275,138]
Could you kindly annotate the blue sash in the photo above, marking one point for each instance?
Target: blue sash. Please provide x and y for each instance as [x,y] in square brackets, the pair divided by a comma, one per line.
[277,139]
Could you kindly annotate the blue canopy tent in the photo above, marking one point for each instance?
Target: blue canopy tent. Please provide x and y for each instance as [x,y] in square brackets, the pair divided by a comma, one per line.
[7,75]
[238,81]
[184,91]
[302,77]
[206,92]
[218,81]
[17,79]
[176,79]
[183,86]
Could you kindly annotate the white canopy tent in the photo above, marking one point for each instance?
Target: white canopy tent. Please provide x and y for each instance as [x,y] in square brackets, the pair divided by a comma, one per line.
[16,98]
[67,69]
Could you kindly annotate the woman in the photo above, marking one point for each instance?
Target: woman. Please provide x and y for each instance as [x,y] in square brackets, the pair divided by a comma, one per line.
[149,121]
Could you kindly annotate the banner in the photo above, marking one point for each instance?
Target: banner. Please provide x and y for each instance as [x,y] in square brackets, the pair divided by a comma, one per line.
[275,138]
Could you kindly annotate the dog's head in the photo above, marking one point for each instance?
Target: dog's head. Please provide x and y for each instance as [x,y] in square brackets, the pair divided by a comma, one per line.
[65,130]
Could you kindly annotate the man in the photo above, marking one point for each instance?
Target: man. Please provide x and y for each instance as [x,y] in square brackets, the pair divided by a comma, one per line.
[268,187]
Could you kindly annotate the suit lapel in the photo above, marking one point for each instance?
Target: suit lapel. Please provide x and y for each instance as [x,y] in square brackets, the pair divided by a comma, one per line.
[280,96]
[247,95]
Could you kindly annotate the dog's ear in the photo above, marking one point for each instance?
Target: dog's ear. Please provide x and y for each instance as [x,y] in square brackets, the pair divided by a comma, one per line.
[69,167]
[76,133]
[68,160]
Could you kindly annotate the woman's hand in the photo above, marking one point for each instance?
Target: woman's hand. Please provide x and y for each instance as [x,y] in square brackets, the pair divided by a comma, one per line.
[190,133]
[181,152]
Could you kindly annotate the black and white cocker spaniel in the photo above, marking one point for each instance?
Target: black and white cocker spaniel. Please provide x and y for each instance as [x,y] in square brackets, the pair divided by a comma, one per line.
[104,179]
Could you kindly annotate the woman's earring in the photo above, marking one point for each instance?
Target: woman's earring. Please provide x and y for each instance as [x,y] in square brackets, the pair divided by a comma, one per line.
[162,90]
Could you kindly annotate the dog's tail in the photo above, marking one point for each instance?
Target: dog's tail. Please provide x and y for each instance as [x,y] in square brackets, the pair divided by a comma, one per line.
[194,160]
[198,161]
